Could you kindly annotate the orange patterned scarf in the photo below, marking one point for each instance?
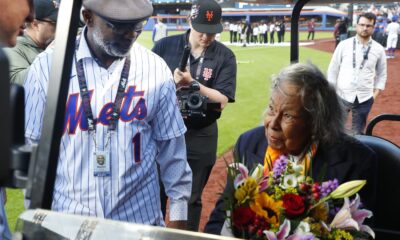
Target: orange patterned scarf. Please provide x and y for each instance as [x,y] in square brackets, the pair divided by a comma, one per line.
[271,155]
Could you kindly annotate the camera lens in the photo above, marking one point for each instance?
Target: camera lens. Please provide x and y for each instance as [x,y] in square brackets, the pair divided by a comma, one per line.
[194,101]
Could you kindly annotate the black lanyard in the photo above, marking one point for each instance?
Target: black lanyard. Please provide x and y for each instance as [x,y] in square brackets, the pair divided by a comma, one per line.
[199,65]
[85,96]
[365,56]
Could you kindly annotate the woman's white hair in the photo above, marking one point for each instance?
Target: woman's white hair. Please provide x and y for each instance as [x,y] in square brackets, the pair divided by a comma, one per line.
[319,100]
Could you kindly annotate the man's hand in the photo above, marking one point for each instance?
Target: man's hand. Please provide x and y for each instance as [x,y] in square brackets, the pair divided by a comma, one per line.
[182,225]
[376,93]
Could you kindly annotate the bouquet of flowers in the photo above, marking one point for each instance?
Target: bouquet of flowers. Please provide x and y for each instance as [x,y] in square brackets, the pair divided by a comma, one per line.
[282,201]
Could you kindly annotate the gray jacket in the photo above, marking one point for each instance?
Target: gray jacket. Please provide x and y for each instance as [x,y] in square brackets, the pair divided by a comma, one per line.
[21,57]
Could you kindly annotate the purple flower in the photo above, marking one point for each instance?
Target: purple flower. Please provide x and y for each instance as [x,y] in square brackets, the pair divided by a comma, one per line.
[279,166]
[327,187]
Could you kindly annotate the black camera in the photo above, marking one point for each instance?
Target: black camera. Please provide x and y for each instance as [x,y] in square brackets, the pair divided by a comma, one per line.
[191,102]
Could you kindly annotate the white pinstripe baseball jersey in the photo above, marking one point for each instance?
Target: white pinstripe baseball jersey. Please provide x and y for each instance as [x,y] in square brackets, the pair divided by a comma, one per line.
[150,123]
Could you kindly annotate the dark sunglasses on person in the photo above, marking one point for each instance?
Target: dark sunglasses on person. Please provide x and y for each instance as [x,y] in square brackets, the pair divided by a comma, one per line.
[121,28]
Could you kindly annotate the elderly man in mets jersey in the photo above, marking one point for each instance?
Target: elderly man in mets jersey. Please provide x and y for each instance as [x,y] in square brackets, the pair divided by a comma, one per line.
[121,115]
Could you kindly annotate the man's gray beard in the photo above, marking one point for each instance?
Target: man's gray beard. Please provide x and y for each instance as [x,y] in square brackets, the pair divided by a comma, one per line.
[107,48]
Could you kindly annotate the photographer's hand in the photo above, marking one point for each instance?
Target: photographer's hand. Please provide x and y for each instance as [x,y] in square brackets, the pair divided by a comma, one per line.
[182,78]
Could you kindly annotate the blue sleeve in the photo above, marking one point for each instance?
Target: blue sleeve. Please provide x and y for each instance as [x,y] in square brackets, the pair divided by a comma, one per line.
[176,176]
[168,122]
[35,96]
[4,229]
[169,132]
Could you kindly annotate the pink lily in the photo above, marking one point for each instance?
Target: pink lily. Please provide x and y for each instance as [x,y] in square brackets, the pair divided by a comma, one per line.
[283,232]
[359,215]
[343,218]
[351,217]
[244,174]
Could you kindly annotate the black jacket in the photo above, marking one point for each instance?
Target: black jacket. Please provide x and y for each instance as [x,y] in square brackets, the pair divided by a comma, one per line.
[348,160]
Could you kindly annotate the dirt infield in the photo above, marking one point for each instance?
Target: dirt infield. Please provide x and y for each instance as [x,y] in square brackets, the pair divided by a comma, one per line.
[387,102]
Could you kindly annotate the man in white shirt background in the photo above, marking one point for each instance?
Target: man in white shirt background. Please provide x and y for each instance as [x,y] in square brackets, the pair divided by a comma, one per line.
[358,71]
[392,29]
[159,31]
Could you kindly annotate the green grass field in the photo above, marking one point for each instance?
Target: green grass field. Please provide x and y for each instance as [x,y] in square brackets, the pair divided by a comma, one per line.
[256,65]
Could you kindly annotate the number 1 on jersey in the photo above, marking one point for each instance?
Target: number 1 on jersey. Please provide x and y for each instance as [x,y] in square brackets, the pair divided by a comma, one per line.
[136,147]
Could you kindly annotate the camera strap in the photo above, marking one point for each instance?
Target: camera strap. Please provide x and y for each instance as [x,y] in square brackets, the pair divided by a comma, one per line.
[85,95]
[199,65]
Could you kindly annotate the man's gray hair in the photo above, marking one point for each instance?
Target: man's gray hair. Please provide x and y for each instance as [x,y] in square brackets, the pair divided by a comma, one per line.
[319,100]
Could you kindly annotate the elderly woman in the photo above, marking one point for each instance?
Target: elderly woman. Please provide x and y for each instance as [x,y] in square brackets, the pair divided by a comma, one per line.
[305,121]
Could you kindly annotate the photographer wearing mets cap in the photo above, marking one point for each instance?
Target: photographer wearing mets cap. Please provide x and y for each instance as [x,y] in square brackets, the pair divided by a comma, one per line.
[121,113]
[211,67]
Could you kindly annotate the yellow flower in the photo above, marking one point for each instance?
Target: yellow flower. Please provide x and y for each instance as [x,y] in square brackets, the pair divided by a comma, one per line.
[247,191]
[267,207]
[320,212]
[339,234]
[319,230]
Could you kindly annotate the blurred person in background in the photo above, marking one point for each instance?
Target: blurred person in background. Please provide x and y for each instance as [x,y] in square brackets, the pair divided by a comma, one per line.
[336,32]
[243,36]
[272,33]
[342,29]
[311,29]
[248,32]
[278,30]
[231,29]
[239,31]
[393,30]
[159,30]
[12,23]
[379,30]
[235,32]
[264,32]
[37,36]
[282,30]
[256,32]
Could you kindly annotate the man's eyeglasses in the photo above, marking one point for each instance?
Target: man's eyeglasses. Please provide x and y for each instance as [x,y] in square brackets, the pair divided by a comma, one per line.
[365,25]
[48,21]
[121,28]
